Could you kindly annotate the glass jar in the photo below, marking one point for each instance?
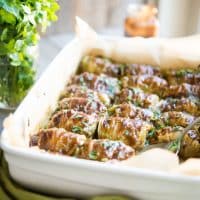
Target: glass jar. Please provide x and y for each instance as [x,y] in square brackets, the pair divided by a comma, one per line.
[141,21]
[6,105]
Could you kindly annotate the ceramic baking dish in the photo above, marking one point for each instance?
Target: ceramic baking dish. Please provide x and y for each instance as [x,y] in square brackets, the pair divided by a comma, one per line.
[62,175]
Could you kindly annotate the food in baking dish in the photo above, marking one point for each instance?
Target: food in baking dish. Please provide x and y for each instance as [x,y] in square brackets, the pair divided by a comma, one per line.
[72,144]
[111,110]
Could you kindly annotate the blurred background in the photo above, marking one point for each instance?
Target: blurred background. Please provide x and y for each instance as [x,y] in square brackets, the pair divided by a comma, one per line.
[176,18]
[102,14]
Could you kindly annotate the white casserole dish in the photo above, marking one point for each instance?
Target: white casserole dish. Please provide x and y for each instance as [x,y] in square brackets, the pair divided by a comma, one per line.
[61,175]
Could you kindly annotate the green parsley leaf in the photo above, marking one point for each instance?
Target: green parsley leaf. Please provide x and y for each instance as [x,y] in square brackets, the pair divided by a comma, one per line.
[93,155]
[126,132]
[76,129]
[151,133]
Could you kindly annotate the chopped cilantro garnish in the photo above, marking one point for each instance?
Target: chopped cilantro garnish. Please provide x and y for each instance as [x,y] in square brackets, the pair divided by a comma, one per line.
[151,133]
[82,82]
[78,116]
[90,95]
[137,103]
[159,125]
[129,98]
[156,114]
[146,143]
[126,132]
[182,72]
[177,128]
[76,129]
[93,155]
[112,109]
[174,145]
[136,90]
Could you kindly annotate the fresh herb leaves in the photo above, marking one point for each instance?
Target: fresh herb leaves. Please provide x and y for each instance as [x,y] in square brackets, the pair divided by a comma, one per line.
[76,129]
[93,155]
[151,133]
[20,21]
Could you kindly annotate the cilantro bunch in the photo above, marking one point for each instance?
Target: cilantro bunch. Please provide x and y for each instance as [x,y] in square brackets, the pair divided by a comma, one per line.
[20,24]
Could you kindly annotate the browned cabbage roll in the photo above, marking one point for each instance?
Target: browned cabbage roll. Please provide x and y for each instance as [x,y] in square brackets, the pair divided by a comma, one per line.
[174,118]
[138,69]
[58,140]
[75,121]
[182,90]
[183,76]
[148,83]
[84,92]
[137,97]
[131,132]
[104,149]
[102,83]
[87,106]
[98,65]
[171,118]
[129,110]
[109,110]
[190,145]
[190,105]
[163,135]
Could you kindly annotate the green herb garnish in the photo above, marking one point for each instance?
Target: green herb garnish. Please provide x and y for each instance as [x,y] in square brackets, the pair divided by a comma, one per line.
[82,82]
[151,133]
[93,155]
[78,116]
[177,128]
[126,132]
[156,114]
[112,110]
[159,125]
[129,98]
[105,144]
[76,129]
[137,103]
[182,72]
[175,145]
[136,90]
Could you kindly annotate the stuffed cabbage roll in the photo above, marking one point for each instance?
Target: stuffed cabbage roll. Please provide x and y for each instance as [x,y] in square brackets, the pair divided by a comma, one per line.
[163,135]
[129,110]
[87,106]
[98,65]
[137,97]
[131,131]
[182,90]
[148,83]
[190,145]
[175,77]
[190,105]
[174,118]
[59,140]
[75,121]
[84,92]
[102,83]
